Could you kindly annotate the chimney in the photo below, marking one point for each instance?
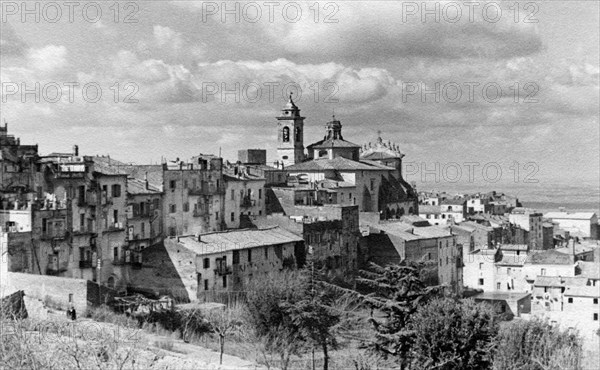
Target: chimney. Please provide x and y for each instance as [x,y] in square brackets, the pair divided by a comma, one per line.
[146,179]
[75,150]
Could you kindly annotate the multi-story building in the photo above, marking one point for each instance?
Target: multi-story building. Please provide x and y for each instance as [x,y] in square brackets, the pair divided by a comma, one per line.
[330,232]
[227,261]
[392,242]
[531,222]
[474,236]
[144,216]
[244,196]
[454,209]
[193,196]
[335,171]
[580,224]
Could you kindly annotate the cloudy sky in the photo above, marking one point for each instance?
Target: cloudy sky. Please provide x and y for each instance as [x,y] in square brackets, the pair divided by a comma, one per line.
[369,61]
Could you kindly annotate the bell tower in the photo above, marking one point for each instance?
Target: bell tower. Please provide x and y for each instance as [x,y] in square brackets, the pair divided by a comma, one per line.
[290,135]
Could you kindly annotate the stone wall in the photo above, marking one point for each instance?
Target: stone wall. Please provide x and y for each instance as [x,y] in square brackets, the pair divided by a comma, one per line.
[55,292]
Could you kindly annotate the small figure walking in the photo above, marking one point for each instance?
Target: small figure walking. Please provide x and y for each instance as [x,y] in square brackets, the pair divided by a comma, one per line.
[71,313]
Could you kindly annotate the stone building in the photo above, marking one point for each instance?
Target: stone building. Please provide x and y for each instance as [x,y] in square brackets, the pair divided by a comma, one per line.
[580,224]
[392,242]
[226,261]
[335,172]
[144,216]
[193,196]
[244,196]
[330,232]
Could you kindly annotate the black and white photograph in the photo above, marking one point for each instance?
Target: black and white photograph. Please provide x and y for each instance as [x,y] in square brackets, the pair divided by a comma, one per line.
[300,185]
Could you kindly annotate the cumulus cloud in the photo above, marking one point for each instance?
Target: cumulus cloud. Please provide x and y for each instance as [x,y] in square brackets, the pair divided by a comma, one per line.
[48,59]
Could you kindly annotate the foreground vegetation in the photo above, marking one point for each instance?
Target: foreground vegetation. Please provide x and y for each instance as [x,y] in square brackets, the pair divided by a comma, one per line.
[302,320]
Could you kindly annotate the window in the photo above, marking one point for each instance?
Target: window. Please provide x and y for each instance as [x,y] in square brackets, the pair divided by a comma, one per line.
[82,221]
[595,300]
[232,194]
[259,193]
[205,284]
[236,257]
[186,207]
[372,184]
[266,253]
[481,265]
[225,281]
[172,184]
[480,281]
[249,255]
[570,300]
[172,231]
[286,134]
[206,263]
[172,208]
[232,216]
[115,216]
[543,272]
[217,216]
[143,229]
[508,270]
[595,317]
[116,190]
[497,286]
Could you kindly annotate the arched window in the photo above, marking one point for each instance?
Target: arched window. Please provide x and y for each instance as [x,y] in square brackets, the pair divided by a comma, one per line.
[286,134]
[410,211]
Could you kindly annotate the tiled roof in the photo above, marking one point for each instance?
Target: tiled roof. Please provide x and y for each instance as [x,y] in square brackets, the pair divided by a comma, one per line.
[549,257]
[590,269]
[338,163]
[570,216]
[583,291]
[579,248]
[427,209]
[109,166]
[137,186]
[332,143]
[501,296]
[459,201]
[238,239]
[549,281]
[514,247]
[512,260]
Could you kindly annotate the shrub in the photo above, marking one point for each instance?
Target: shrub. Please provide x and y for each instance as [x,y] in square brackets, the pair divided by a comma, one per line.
[536,345]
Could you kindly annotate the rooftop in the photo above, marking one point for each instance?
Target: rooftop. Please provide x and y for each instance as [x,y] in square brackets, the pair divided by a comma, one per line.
[338,163]
[590,269]
[570,216]
[427,209]
[501,296]
[137,187]
[237,239]
[549,257]
[332,143]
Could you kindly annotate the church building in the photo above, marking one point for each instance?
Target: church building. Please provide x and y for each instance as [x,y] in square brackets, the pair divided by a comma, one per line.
[336,171]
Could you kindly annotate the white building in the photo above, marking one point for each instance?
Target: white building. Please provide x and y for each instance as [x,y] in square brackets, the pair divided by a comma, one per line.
[582,224]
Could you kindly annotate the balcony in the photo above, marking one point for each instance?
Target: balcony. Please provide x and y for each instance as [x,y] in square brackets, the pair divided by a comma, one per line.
[247,202]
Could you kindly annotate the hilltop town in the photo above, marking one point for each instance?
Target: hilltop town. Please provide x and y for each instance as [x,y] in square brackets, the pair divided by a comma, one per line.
[81,230]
